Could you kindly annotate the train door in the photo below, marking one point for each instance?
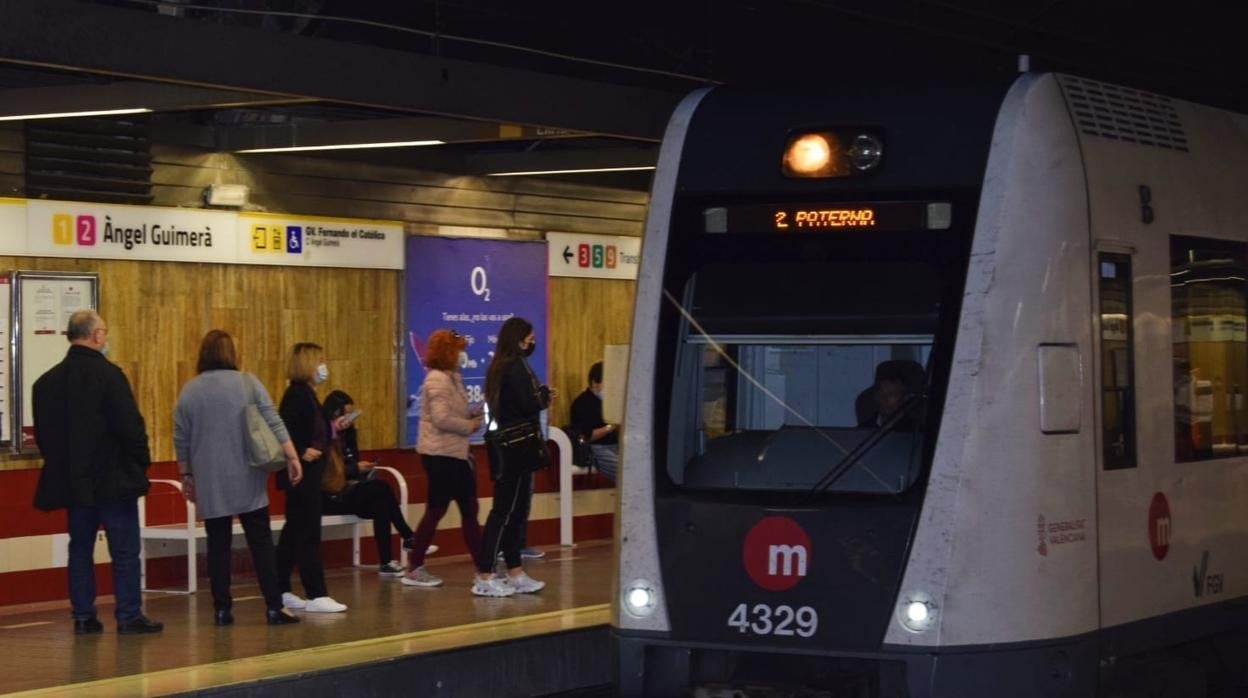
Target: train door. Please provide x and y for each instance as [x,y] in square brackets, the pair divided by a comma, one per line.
[1113,371]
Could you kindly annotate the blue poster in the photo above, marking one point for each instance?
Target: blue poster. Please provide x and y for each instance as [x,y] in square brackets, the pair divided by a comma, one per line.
[470,286]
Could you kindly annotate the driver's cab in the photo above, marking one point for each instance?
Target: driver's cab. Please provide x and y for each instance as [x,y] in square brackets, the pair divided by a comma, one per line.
[787,413]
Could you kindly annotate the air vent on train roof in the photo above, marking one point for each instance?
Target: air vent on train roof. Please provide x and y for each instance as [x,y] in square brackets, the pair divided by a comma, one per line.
[1124,114]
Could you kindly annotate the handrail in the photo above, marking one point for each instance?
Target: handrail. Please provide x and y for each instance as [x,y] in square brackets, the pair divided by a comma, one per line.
[565,484]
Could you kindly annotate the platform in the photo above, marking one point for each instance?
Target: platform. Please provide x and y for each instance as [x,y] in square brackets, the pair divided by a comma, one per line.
[388,624]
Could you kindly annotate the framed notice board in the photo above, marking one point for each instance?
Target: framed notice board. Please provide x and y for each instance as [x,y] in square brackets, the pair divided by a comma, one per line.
[42,304]
[6,364]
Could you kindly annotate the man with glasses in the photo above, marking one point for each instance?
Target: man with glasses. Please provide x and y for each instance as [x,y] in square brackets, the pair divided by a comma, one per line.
[95,459]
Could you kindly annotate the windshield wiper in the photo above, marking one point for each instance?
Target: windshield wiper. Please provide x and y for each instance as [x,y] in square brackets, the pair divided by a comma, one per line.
[857,452]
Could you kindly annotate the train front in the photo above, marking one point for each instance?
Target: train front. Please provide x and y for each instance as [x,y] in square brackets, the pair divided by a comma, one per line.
[796,313]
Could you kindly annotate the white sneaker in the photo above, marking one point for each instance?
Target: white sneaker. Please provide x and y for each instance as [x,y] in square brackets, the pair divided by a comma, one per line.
[324,604]
[433,548]
[492,587]
[391,569]
[289,600]
[524,584]
[420,577]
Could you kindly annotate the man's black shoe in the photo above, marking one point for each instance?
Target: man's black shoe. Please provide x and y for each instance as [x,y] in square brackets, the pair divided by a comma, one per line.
[140,625]
[223,617]
[280,617]
[89,626]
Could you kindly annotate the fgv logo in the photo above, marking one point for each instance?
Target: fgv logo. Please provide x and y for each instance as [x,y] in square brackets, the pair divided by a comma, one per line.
[66,230]
[776,553]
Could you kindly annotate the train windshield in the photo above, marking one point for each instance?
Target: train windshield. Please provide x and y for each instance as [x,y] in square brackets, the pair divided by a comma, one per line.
[803,377]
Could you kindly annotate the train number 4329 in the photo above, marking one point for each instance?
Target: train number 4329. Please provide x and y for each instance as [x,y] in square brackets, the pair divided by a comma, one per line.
[762,619]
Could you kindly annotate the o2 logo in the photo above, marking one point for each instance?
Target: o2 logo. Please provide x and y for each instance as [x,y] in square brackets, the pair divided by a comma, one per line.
[480,284]
[776,553]
[68,230]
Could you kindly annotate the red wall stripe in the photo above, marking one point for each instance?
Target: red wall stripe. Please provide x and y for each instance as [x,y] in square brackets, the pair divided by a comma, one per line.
[18,517]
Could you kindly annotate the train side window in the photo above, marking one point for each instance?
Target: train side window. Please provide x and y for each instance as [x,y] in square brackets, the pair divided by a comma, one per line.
[1210,318]
[1117,363]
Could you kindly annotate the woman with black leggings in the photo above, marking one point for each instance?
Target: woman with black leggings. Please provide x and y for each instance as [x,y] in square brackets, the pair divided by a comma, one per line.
[446,421]
[515,396]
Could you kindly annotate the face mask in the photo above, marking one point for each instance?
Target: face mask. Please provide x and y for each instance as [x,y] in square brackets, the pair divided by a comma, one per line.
[322,374]
[597,393]
[529,350]
[104,349]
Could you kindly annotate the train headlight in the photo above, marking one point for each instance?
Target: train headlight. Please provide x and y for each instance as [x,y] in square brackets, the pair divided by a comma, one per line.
[865,152]
[808,155]
[640,598]
[842,152]
[917,612]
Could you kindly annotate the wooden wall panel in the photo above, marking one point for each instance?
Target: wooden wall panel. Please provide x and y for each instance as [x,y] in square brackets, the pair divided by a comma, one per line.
[158,312]
[284,183]
[585,316]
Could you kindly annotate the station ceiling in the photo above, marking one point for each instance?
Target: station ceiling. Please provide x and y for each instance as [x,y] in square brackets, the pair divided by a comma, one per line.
[522,85]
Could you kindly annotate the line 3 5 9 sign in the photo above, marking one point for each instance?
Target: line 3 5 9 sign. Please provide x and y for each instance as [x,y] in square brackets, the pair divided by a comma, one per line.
[593,256]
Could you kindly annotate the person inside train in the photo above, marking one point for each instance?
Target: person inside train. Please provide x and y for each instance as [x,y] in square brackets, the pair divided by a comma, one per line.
[895,381]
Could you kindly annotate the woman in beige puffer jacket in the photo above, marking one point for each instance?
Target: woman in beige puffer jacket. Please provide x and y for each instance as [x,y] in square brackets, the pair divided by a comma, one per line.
[446,421]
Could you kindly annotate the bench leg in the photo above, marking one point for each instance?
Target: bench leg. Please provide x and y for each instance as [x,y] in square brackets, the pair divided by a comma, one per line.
[192,553]
[142,564]
[355,544]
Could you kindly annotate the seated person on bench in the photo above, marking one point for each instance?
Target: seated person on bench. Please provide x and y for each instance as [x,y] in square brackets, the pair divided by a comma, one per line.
[364,496]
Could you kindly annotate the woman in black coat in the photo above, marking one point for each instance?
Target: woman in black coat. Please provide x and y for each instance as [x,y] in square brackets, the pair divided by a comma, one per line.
[514,395]
[300,541]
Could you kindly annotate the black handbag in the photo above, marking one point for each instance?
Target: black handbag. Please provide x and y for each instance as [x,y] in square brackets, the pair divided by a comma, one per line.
[582,454]
[516,449]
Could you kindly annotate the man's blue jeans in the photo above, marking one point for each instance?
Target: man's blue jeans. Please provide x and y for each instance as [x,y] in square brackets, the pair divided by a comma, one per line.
[121,527]
[607,458]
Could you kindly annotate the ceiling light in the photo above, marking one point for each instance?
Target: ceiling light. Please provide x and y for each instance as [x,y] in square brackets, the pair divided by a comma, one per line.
[342,146]
[71,114]
[582,171]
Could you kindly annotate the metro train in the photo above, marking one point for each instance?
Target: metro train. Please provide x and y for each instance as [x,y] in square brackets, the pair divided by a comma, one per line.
[939,392]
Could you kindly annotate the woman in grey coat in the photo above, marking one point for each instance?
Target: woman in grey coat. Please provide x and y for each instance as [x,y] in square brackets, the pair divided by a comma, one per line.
[210,439]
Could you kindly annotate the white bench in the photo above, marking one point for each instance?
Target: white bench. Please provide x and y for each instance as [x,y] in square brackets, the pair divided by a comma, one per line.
[193,530]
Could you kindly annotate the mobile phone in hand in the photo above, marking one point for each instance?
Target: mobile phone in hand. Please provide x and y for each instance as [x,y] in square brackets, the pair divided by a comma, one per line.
[349,418]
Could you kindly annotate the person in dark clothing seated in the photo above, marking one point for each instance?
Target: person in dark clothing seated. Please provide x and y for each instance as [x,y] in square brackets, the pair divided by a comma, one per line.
[364,496]
[587,420]
[895,381]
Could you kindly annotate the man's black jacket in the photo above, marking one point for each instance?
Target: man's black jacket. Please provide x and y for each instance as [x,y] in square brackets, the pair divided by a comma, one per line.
[90,433]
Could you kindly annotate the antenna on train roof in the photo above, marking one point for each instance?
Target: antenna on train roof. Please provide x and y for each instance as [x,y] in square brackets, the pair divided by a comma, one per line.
[1024,63]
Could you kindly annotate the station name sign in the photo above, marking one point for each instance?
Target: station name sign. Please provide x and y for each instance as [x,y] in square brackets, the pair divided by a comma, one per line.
[153,233]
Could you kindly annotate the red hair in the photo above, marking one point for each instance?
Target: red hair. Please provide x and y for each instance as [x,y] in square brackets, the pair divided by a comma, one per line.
[443,350]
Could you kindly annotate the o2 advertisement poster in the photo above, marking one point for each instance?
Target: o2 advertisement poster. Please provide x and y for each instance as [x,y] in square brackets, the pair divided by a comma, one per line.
[470,286]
